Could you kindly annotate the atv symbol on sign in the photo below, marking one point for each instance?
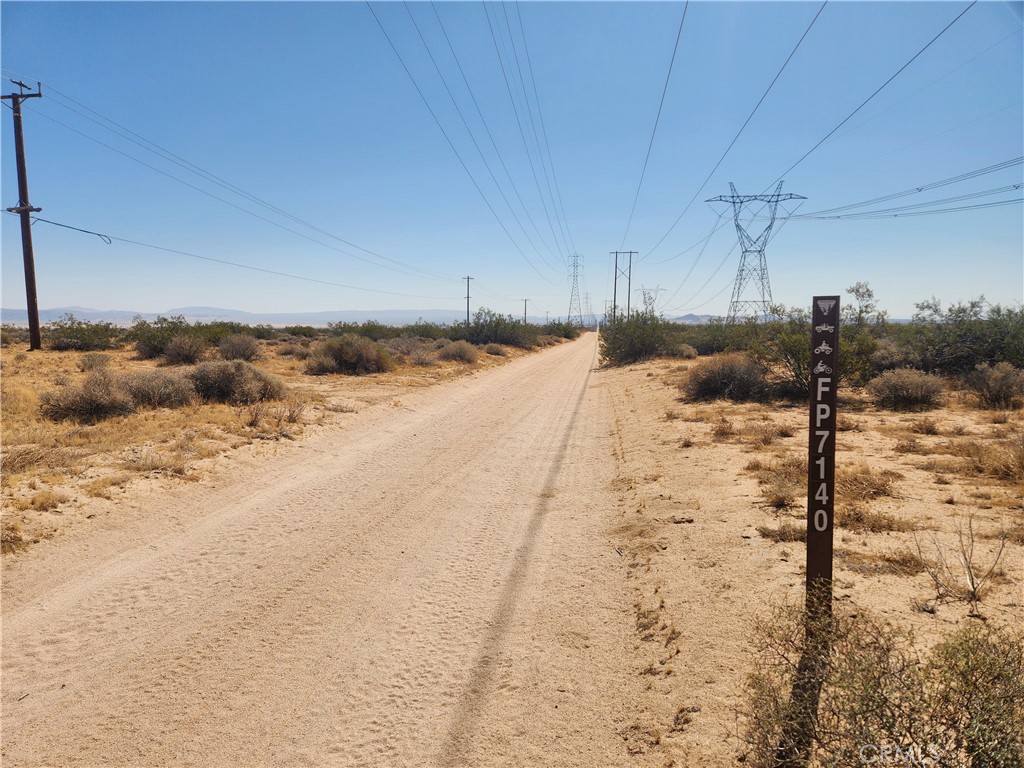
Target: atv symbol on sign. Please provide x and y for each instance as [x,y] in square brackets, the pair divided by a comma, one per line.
[823,348]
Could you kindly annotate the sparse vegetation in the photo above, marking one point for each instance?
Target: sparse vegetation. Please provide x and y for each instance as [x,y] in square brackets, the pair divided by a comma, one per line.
[234,381]
[998,387]
[239,346]
[101,396]
[959,705]
[69,333]
[349,354]
[184,349]
[730,376]
[905,389]
[460,351]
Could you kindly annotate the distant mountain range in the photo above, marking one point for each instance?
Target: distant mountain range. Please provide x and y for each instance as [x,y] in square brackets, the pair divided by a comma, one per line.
[210,314]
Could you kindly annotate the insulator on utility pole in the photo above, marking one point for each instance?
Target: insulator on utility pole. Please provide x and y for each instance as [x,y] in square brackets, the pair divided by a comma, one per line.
[25,210]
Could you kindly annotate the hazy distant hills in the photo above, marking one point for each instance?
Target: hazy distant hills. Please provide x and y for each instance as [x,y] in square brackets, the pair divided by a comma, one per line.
[209,314]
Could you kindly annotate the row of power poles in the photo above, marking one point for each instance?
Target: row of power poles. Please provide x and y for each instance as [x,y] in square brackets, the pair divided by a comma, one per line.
[25,210]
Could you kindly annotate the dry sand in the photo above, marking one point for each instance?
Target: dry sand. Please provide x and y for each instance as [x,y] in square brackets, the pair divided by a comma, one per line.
[544,564]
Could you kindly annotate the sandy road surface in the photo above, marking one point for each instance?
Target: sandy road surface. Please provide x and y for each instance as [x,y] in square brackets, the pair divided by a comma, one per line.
[431,586]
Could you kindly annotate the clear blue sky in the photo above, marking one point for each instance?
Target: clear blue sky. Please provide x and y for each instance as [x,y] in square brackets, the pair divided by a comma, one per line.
[307,107]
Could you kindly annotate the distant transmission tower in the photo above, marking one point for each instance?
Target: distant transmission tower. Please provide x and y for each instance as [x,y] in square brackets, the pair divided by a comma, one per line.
[753,266]
[575,311]
[588,312]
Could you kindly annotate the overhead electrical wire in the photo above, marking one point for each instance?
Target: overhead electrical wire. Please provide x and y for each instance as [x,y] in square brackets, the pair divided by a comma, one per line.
[857,109]
[151,146]
[880,88]
[654,130]
[543,127]
[402,270]
[522,131]
[739,133]
[906,210]
[472,137]
[108,238]
[483,120]
[562,225]
[447,138]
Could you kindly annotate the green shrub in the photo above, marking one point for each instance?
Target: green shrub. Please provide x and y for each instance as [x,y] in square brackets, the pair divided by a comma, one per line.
[733,376]
[488,327]
[905,389]
[92,361]
[350,354]
[184,349]
[101,396]
[562,330]
[961,705]
[998,386]
[69,333]
[461,351]
[423,329]
[159,389]
[889,355]
[294,350]
[234,381]
[641,336]
[307,331]
[152,337]
[239,346]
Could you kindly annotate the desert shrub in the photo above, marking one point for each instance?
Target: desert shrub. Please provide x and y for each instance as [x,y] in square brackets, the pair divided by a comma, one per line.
[159,389]
[461,351]
[441,343]
[641,336]
[685,352]
[294,350]
[234,381]
[905,389]
[423,357]
[13,334]
[184,349]
[321,365]
[152,337]
[488,327]
[733,376]
[306,331]
[101,396]
[496,349]
[239,346]
[69,333]
[999,386]
[957,339]
[350,354]
[560,329]
[961,705]
[889,355]
[422,329]
[92,361]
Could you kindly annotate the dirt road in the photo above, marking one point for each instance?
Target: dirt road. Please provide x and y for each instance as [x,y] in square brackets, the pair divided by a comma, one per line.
[431,586]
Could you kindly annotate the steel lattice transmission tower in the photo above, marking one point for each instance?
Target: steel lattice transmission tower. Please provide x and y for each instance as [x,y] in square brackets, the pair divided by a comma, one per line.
[575,310]
[753,266]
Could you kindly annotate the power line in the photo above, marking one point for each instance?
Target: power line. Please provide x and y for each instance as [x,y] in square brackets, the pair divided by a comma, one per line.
[472,138]
[108,238]
[418,273]
[735,138]
[654,130]
[519,124]
[447,138]
[543,127]
[533,123]
[151,146]
[922,188]
[877,91]
[900,214]
[487,129]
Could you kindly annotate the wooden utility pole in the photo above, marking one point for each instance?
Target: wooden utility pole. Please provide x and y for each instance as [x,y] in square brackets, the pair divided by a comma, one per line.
[25,210]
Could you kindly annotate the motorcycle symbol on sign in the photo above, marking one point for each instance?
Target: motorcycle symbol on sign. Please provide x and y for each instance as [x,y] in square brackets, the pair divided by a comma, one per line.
[822,368]
[823,347]
[824,327]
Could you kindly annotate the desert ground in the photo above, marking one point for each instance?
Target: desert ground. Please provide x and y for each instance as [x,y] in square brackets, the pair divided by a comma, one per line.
[534,560]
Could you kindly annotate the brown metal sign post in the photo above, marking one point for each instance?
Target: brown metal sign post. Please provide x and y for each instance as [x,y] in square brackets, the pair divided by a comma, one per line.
[821,465]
